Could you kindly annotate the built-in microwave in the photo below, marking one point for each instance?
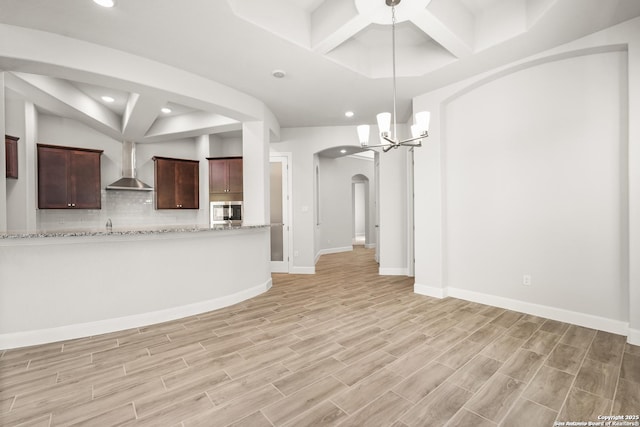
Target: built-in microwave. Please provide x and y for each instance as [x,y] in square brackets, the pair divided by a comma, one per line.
[226,213]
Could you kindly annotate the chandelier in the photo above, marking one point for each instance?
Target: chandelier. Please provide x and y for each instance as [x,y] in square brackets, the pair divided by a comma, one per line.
[418,131]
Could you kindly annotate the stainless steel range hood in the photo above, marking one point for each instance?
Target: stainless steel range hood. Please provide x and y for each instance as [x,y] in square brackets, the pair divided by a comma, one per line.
[129,180]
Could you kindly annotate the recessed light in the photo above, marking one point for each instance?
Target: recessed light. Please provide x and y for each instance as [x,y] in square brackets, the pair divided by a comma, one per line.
[349,114]
[107,98]
[105,3]
[165,110]
[278,74]
[343,151]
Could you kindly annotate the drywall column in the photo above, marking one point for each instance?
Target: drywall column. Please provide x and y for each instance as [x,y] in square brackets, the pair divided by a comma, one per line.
[393,202]
[255,159]
[3,179]
[30,174]
[428,210]
[634,189]
[202,149]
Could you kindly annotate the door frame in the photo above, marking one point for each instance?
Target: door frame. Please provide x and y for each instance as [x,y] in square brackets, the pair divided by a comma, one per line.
[286,264]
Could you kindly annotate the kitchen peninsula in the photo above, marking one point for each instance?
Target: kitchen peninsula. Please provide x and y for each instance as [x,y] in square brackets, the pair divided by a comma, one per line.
[64,285]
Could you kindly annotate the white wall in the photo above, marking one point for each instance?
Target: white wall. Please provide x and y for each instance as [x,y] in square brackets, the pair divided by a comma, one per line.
[526,173]
[3,185]
[360,212]
[533,185]
[16,188]
[225,147]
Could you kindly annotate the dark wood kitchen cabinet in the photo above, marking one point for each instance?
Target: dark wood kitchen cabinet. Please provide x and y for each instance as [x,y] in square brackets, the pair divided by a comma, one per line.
[177,183]
[68,177]
[11,153]
[225,175]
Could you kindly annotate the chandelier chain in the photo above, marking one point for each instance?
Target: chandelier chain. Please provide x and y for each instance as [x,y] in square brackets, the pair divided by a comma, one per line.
[388,137]
[393,50]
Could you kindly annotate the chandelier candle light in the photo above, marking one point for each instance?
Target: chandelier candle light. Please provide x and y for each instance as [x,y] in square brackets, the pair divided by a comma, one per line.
[418,131]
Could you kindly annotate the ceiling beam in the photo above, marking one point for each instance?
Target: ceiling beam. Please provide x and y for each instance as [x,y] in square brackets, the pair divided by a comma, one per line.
[62,98]
[441,33]
[333,23]
[139,115]
[190,125]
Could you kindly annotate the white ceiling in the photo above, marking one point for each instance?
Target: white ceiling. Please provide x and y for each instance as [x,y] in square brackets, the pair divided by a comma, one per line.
[336,56]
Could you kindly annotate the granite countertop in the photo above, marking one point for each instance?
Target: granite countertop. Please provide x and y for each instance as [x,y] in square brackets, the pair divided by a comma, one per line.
[129,231]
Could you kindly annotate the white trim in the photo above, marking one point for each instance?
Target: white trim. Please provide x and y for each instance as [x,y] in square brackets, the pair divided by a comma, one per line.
[303,270]
[369,245]
[576,318]
[42,336]
[430,291]
[335,250]
[332,251]
[548,312]
[392,271]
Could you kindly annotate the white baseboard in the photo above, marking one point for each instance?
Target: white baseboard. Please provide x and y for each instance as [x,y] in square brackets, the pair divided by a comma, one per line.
[392,271]
[332,251]
[370,245]
[42,336]
[430,291]
[576,318]
[302,270]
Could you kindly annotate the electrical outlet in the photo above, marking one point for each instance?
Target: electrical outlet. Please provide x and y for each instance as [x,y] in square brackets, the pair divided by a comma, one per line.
[296,253]
[526,280]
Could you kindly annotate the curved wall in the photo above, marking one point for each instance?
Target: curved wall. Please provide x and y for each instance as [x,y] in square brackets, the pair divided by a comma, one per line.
[56,288]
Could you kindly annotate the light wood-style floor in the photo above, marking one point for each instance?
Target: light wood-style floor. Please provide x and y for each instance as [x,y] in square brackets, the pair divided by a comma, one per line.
[342,347]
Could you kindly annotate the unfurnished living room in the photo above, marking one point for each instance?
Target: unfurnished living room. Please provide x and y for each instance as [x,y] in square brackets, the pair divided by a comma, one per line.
[320,212]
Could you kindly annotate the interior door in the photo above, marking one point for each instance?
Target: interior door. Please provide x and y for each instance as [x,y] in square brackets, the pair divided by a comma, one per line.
[280,212]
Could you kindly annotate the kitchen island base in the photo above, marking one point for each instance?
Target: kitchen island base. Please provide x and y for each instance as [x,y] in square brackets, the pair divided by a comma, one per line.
[65,287]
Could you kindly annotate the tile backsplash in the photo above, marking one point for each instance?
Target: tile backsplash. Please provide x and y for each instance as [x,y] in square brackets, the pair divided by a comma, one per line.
[126,209]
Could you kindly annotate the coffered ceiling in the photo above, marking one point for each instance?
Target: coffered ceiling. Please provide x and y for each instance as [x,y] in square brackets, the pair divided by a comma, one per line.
[336,54]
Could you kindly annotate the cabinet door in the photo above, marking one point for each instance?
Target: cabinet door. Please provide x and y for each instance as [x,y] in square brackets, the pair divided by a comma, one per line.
[84,180]
[11,153]
[187,185]
[53,170]
[165,179]
[217,176]
[234,167]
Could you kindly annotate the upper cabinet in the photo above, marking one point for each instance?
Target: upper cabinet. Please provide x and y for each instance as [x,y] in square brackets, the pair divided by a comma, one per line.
[225,176]
[68,178]
[11,153]
[177,183]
